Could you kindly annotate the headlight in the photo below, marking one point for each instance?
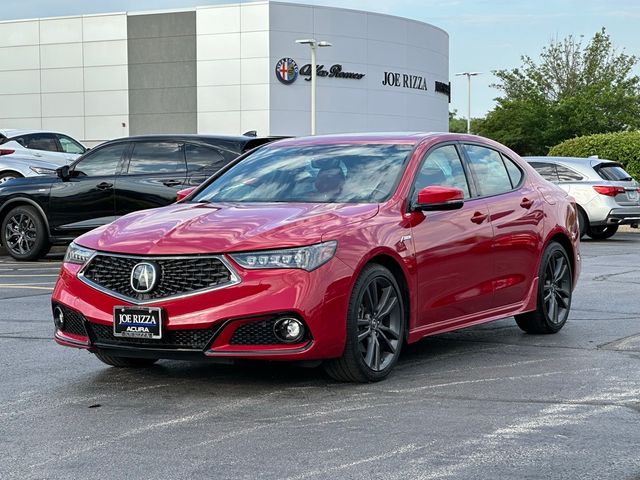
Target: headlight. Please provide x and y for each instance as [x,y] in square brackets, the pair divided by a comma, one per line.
[77,254]
[43,171]
[306,258]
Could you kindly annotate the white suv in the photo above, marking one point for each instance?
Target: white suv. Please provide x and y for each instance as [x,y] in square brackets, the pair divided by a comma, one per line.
[26,153]
[606,195]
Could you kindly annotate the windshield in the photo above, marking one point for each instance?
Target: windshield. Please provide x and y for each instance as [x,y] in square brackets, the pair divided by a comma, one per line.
[352,173]
[612,171]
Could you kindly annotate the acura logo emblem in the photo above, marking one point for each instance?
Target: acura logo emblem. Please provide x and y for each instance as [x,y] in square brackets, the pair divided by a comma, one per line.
[143,277]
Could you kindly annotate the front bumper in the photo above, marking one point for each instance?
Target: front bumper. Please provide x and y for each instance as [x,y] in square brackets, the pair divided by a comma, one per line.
[214,318]
[624,216]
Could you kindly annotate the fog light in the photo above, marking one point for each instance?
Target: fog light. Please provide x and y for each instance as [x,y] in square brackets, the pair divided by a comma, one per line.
[58,318]
[288,330]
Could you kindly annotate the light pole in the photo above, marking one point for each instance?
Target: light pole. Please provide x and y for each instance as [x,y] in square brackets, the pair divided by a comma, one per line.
[468,75]
[314,46]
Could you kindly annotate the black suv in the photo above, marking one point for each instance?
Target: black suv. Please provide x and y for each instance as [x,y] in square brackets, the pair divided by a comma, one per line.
[113,179]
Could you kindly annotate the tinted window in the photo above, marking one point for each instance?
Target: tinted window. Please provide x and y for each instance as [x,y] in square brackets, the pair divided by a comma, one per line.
[42,141]
[156,157]
[567,175]
[442,167]
[69,145]
[101,162]
[348,173]
[612,171]
[201,159]
[547,170]
[489,170]
[515,174]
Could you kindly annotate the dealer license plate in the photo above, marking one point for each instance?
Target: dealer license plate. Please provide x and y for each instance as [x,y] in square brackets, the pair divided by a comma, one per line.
[138,322]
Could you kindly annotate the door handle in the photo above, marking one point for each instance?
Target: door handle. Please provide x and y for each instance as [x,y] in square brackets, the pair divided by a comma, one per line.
[104,186]
[172,183]
[479,217]
[526,203]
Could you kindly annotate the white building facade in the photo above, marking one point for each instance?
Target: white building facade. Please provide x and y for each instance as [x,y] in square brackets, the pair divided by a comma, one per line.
[222,69]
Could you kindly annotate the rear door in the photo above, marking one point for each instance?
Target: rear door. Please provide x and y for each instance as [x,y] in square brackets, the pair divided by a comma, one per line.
[154,173]
[517,216]
[86,200]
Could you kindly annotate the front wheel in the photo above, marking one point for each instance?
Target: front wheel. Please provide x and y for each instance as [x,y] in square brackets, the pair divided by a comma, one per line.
[24,234]
[554,293]
[125,362]
[375,328]
[602,233]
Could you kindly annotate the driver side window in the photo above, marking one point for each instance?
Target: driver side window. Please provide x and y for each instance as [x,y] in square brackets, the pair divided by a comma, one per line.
[100,162]
[442,167]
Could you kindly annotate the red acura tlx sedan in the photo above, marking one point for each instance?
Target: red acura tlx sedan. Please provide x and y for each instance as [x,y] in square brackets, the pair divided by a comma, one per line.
[336,248]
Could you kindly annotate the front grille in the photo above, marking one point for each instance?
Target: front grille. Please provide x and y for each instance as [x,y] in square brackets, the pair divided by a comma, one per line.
[256,333]
[171,339]
[177,276]
[73,322]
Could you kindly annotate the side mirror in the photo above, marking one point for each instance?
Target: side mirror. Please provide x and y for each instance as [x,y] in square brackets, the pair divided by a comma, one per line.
[63,173]
[438,197]
[184,193]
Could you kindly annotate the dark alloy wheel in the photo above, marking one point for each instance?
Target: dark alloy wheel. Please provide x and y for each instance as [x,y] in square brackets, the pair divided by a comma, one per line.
[375,328]
[554,293]
[602,233]
[583,223]
[24,234]
[125,362]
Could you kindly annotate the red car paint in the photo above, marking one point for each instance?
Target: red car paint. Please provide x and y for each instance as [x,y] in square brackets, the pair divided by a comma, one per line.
[459,268]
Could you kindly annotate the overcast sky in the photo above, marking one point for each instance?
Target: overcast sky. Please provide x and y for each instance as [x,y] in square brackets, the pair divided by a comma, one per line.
[485,35]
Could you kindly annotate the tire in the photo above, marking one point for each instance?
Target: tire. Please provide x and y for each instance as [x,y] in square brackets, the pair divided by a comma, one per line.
[125,362]
[554,293]
[6,176]
[24,234]
[602,233]
[583,223]
[375,328]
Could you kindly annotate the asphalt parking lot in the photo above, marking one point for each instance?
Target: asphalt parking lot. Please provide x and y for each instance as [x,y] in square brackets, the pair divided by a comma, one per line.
[486,402]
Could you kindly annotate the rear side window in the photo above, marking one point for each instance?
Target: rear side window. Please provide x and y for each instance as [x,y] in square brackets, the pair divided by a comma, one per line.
[612,171]
[547,170]
[442,167]
[100,162]
[41,141]
[567,175]
[489,170]
[204,160]
[515,174]
[156,157]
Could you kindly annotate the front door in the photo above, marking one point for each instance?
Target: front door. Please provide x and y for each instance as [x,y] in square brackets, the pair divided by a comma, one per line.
[453,248]
[86,200]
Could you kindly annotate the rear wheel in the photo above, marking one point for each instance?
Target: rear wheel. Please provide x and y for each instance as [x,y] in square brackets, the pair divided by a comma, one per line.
[375,328]
[583,223]
[554,293]
[125,362]
[24,234]
[602,233]
[6,176]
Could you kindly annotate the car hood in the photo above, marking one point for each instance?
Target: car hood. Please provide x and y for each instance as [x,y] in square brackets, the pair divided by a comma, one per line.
[189,228]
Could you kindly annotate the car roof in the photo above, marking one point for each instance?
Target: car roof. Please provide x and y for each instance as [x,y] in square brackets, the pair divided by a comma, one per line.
[15,132]
[577,161]
[238,143]
[409,138]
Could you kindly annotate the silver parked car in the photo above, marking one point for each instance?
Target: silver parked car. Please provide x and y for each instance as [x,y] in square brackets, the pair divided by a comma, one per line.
[26,153]
[607,196]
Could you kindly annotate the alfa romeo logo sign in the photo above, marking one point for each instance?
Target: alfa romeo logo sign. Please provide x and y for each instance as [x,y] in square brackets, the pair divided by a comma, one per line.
[287,70]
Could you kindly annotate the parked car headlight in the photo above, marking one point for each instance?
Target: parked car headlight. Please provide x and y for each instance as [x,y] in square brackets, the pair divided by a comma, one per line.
[306,258]
[77,254]
[43,171]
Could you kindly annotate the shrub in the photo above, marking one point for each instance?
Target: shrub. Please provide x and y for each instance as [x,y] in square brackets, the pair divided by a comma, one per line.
[622,147]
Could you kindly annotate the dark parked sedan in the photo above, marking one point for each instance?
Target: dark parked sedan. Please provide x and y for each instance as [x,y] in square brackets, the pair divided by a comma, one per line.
[113,179]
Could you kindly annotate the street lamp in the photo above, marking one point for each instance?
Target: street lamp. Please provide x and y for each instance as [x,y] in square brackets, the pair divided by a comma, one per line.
[468,75]
[314,46]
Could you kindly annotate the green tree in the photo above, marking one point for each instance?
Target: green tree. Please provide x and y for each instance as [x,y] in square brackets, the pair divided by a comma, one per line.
[459,124]
[573,90]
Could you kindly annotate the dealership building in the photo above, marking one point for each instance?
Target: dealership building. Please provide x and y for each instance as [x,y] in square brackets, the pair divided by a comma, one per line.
[222,69]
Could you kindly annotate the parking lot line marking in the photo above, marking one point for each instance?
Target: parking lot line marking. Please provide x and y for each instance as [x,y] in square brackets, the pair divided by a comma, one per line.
[31,285]
[30,275]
